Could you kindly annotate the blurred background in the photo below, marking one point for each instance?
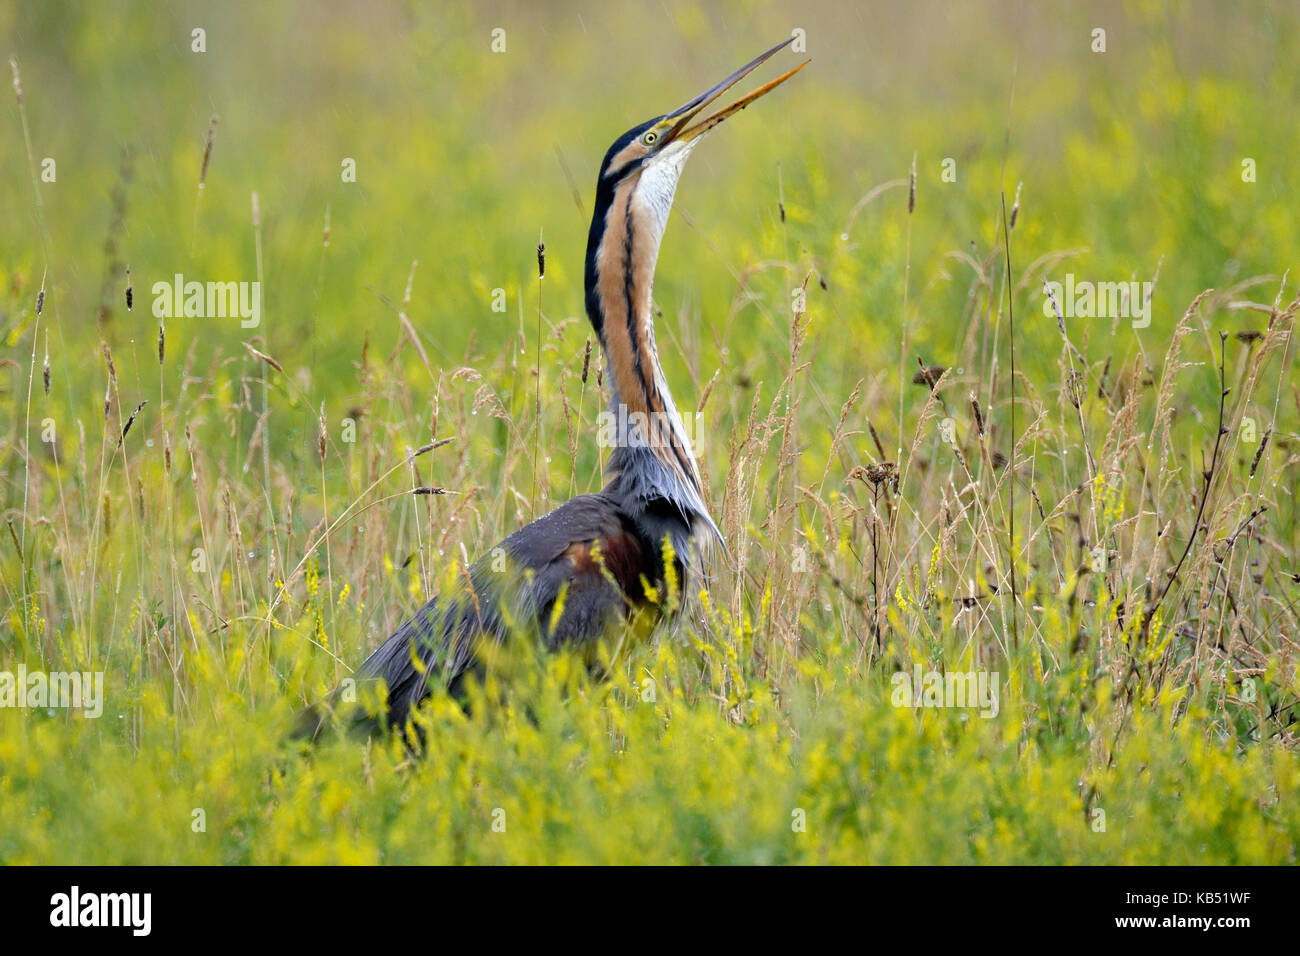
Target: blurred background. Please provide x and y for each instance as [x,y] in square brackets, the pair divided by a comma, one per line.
[461,157]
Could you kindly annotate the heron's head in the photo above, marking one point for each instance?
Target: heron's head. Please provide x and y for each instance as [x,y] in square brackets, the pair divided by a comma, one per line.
[651,156]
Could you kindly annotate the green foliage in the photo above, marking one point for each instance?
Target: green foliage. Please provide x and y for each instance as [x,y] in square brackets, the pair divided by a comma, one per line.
[600,774]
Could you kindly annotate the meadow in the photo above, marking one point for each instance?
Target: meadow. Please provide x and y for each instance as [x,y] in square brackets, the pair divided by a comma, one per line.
[921,462]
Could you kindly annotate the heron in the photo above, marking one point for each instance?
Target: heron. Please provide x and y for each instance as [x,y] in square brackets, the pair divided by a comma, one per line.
[610,558]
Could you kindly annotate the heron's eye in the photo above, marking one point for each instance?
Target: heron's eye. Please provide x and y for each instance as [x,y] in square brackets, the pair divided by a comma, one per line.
[649,138]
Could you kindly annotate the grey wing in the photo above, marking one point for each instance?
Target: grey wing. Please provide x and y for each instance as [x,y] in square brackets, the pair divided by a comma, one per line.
[519,582]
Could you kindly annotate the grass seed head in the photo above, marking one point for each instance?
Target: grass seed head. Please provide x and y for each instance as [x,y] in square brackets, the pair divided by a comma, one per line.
[108,361]
[131,421]
[320,436]
[911,187]
[207,150]
[18,81]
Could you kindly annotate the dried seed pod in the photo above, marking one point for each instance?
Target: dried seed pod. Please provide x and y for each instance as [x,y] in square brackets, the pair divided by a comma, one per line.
[879,474]
[131,421]
[1056,306]
[1259,452]
[875,438]
[207,151]
[708,390]
[1074,387]
[112,369]
[18,83]
[428,447]
[911,187]
[264,357]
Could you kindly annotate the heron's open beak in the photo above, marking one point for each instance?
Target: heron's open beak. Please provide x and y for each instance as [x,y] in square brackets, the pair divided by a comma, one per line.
[682,133]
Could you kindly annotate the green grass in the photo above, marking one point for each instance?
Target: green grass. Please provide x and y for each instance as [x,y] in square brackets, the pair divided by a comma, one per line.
[221,572]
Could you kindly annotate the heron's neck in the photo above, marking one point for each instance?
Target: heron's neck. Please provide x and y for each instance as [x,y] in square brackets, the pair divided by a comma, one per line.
[651,456]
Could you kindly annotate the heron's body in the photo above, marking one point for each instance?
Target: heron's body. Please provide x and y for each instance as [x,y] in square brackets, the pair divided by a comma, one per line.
[566,579]
[601,560]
